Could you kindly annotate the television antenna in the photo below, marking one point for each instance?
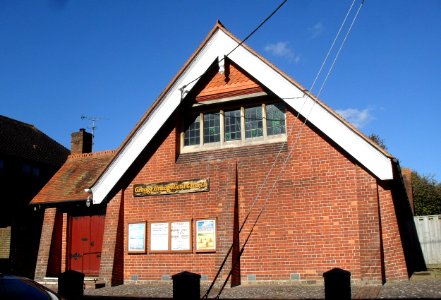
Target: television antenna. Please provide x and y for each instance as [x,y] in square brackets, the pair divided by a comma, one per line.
[93,121]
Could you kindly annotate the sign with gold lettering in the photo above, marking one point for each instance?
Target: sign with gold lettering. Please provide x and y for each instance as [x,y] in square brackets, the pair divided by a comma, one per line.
[168,188]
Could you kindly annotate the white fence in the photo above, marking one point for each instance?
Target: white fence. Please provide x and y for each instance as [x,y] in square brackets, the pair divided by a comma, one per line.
[429,234]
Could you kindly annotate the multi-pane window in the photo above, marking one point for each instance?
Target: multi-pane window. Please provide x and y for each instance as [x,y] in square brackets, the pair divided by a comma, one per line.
[253,122]
[275,119]
[235,127]
[26,168]
[192,132]
[232,125]
[211,128]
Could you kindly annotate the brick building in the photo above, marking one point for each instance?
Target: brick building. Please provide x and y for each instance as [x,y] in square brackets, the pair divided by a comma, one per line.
[28,159]
[233,145]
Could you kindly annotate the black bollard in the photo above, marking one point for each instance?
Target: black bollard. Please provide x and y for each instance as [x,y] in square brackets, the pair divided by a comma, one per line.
[337,284]
[71,284]
[186,286]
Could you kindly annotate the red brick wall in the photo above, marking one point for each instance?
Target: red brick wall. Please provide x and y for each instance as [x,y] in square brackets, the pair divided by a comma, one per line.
[321,211]
[45,243]
[112,265]
[394,263]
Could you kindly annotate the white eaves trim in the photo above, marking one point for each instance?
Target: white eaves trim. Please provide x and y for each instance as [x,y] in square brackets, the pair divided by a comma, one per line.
[219,45]
[369,156]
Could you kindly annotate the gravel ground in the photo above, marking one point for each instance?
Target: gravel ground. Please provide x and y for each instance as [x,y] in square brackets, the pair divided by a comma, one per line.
[421,289]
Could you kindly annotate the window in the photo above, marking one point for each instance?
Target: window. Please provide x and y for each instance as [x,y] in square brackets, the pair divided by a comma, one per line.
[253,122]
[211,128]
[235,127]
[275,119]
[36,171]
[26,168]
[232,125]
[192,132]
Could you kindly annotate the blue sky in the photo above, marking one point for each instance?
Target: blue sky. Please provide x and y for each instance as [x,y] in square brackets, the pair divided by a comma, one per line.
[110,59]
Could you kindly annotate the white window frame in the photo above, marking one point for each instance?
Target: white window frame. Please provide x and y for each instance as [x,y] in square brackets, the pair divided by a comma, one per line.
[222,144]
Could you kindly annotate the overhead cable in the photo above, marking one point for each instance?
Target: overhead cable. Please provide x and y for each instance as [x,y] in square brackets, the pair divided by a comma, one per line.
[240,43]
[289,155]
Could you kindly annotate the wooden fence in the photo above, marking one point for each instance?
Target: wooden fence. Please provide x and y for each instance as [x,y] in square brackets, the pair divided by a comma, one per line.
[429,234]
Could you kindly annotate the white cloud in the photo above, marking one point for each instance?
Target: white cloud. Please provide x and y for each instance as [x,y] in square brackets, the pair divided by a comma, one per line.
[358,118]
[281,49]
[316,30]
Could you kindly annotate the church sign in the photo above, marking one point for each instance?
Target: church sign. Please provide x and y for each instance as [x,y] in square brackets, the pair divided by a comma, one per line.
[174,187]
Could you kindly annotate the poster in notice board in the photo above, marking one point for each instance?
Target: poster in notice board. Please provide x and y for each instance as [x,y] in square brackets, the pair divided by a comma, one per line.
[206,235]
[180,236]
[159,236]
[136,237]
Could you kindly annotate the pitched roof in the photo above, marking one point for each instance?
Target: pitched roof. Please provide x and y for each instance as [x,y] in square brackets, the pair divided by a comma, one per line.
[78,172]
[218,44]
[26,141]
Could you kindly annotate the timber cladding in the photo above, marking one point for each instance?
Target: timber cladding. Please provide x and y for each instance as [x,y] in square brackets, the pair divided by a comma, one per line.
[321,211]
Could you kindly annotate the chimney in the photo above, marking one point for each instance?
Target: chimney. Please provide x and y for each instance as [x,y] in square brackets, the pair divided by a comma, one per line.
[81,142]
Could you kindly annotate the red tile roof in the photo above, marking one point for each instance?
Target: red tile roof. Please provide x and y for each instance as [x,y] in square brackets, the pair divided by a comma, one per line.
[24,140]
[78,173]
[233,82]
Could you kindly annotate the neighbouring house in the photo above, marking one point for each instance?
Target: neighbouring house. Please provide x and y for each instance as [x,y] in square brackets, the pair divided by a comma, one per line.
[28,159]
[70,220]
[231,146]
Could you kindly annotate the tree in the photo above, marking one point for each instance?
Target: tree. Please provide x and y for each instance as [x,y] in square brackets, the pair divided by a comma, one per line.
[426,190]
[426,195]
[377,140]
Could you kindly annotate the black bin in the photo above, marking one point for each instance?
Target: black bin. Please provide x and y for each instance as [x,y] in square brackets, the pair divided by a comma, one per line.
[186,286]
[337,284]
[71,284]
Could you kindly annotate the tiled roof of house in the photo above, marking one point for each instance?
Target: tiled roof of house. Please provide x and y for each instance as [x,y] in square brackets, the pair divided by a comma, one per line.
[26,141]
[77,173]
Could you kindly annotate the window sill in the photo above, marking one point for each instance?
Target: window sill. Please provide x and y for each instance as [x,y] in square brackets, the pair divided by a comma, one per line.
[234,144]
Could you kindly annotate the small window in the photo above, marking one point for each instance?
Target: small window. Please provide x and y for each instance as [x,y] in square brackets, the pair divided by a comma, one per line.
[232,125]
[26,168]
[253,122]
[211,128]
[36,171]
[275,119]
[192,134]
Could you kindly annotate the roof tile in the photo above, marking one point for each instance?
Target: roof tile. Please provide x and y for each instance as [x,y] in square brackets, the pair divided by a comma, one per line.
[26,141]
[233,82]
[78,173]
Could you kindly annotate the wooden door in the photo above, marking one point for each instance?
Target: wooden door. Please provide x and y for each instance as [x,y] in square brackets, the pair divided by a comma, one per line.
[86,240]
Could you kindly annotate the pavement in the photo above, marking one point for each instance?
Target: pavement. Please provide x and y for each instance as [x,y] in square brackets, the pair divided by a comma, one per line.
[421,287]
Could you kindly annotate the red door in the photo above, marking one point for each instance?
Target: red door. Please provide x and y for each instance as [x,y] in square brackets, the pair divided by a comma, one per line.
[86,240]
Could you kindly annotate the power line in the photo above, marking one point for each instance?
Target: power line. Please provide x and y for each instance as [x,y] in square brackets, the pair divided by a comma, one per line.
[289,153]
[257,28]
[341,47]
[239,44]
[332,46]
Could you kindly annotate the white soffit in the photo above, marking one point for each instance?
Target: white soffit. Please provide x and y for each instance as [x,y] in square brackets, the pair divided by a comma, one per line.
[219,45]
[370,157]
